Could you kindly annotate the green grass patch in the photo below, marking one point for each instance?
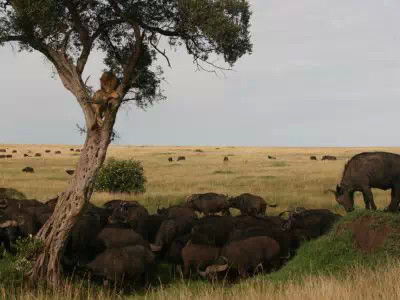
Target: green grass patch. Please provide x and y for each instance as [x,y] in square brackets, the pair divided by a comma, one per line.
[335,253]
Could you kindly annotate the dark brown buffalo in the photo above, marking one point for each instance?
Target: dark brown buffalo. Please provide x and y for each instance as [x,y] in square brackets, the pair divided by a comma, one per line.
[14,151]
[3,150]
[148,227]
[47,151]
[247,256]
[28,170]
[307,224]
[26,155]
[38,154]
[313,157]
[170,159]
[213,230]
[328,157]
[174,253]
[249,204]
[177,211]
[129,213]
[113,204]
[171,229]
[9,232]
[195,255]
[130,264]
[209,203]
[370,170]
[226,159]
[57,152]
[271,157]
[181,158]
[70,172]
[114,236]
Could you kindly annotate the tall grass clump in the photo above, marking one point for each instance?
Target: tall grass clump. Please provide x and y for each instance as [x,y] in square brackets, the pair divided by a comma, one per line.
[121,176]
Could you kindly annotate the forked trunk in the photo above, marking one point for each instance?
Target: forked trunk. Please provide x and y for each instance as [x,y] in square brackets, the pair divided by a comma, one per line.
[71,205]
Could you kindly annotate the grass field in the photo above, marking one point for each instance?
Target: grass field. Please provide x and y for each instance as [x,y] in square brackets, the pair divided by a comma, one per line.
[289,181]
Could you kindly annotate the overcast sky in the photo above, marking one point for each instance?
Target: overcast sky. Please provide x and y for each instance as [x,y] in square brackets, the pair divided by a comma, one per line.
[323,73]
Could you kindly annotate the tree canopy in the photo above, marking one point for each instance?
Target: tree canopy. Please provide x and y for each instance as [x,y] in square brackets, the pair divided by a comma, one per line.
[128,33]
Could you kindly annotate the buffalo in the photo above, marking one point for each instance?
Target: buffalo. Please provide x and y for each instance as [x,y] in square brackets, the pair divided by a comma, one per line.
[249,204]
[328,157]
[28,170]
[245,257]
[196,255]
[177,211]
[208,203]
[313,157]
[181,158]
[370,170]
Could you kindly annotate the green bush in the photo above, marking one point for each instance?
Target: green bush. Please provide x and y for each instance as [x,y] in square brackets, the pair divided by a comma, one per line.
[121,176]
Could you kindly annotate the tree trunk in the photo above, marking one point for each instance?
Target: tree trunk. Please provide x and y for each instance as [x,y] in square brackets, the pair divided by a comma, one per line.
[71,204]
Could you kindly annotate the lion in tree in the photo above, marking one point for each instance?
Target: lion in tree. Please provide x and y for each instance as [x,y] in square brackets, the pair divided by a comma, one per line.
[103,97]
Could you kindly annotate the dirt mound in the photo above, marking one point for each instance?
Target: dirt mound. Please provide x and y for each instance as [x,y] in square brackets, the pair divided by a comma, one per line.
[370,233]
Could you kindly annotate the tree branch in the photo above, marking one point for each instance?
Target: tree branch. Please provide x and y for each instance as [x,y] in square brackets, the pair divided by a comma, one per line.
[161,52]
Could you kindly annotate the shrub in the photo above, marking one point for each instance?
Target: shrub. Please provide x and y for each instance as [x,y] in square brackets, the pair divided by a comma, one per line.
[121,176]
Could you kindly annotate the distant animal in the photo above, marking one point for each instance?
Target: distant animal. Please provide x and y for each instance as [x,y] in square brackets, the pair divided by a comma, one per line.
[271,157]
[370,170]
[28,170]
[14,151]
[78,150]
[208,203]
[3,150]
[328,157]
[71,149]
[226,159]
[57,152]
[70,172]
[313,157]
[47,151]
[170,159]
[181,158]
[26,155]
[38,155]
[3,156]
[246,257]
[249,204]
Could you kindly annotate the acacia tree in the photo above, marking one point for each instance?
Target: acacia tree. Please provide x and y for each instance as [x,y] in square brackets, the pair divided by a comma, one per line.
[128,34]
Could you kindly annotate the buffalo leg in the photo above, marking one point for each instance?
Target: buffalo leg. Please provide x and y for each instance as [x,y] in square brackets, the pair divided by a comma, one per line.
[394,203]
[368,199]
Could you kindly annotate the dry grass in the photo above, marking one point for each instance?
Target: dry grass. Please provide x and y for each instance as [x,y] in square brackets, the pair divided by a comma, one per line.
[291,180]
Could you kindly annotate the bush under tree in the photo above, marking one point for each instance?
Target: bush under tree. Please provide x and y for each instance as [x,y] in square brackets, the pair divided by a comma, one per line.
[121,176]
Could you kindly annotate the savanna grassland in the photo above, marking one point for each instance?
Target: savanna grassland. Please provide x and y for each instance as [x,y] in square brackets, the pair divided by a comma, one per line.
[289,181]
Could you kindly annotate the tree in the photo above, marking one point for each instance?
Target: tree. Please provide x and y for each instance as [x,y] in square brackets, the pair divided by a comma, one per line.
[128,33]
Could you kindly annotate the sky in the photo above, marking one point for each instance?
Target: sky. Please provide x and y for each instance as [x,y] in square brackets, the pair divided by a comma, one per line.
[322,73]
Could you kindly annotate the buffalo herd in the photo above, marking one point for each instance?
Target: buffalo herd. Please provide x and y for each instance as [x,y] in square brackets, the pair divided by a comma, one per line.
[123,242]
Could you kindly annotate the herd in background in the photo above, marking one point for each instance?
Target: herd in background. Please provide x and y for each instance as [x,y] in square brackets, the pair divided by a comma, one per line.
[122,241]
[29,153]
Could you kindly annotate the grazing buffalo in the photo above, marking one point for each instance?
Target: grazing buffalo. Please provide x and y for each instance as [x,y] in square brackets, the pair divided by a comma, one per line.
[130,264]
[70,172]
[47,151]
[226,159]
[38,154]
[313,157]
[181,158]
[170,159]
[370,170]
[28,170]
[57,152]
[26,155]
[78,150]
[246,257]
[71,149]
[271,157]
[3,156]
[14,151]
[196,255]
[209,203]
[177,211]
[249,204]
[174,253]
[9,156]
[328,157]
[3,150]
